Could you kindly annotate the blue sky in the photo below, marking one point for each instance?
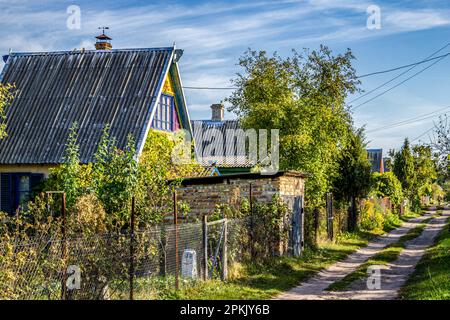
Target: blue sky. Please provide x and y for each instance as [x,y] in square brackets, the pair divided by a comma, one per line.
[215,34]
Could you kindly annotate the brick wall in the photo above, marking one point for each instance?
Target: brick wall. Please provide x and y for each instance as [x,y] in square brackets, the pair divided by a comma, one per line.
[203,194]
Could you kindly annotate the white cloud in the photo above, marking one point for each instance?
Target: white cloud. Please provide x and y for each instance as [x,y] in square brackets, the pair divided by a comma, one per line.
[417,20]
[212,34]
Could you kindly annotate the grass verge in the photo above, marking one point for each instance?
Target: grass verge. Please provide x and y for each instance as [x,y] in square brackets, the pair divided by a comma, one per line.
[266,279]
[431,279]
[388,254]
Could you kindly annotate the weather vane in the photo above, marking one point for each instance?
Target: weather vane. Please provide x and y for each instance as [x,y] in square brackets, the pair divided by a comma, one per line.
[103,28]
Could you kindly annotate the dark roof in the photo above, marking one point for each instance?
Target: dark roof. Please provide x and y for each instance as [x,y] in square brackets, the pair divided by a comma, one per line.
[246,175]
[204,138]
[103,37]
[93,88]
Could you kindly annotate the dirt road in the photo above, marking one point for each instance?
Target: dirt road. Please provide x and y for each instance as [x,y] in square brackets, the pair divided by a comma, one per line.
[393,275]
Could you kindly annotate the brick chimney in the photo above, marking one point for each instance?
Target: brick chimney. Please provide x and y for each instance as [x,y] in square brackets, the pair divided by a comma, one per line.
[103,41]
[217,112]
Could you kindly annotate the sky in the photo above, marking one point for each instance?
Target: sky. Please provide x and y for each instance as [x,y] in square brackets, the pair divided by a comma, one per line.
[214,34]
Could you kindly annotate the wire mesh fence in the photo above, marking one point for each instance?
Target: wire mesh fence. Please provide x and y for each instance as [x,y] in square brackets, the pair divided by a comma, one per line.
[145,264]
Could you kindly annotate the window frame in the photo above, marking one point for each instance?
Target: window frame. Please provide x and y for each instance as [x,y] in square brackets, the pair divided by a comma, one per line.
[165,112]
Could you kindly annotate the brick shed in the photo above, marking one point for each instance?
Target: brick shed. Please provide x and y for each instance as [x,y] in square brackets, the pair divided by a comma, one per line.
[202,194]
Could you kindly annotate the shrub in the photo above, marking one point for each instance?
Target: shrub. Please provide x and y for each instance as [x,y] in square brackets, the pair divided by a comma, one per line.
[391,221]
[371,216]
[387,185]
[27,261]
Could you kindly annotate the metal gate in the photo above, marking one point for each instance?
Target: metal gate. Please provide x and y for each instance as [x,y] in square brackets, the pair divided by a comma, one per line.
[297,226]
[216,235]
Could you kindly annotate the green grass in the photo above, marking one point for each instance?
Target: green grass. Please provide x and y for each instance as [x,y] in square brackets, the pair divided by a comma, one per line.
[391,222]
[431,279]
[266,279]
[410,215]
[259,280]
[269,278]
[388,254]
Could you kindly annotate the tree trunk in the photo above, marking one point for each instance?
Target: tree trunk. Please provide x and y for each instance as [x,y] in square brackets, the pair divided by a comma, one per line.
[352,215]
[316,226]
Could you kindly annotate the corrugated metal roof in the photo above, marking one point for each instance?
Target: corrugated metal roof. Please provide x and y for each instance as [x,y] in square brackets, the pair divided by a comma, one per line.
[93,88]
[225,152]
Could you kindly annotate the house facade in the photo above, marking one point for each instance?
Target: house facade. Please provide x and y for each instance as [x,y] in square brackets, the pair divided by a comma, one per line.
[131,90]
[221,144]
[376,160]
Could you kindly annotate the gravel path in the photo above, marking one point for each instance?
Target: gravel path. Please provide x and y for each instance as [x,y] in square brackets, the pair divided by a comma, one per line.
[314,288]
[395,274]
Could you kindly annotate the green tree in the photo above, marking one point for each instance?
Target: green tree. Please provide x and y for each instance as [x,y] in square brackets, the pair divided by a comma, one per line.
[6,96]
[387,185]
[302,96]
[354,175]
[416,168]
[404,168]
[425,168]
[115,175]
[70,176]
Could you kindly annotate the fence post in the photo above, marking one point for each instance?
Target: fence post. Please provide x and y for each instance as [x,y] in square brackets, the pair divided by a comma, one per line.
[225,251]
[175,221]
[133,202]
[63,247]
[330,217]
[252,254]
[352,216]
[316,225]
[205,246]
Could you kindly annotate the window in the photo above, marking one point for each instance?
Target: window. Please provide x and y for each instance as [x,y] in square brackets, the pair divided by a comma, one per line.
[165,116]
[23,189]
[16,190]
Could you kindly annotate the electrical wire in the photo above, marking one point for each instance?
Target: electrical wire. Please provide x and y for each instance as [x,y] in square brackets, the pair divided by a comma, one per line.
[411,120]
[396,77]
[398,84]
[421,135]
[401,67]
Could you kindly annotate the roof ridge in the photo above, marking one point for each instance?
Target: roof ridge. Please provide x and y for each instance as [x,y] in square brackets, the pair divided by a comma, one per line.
[80,51]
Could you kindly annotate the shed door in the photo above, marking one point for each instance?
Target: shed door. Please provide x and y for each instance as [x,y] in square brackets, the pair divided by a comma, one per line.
[297,226]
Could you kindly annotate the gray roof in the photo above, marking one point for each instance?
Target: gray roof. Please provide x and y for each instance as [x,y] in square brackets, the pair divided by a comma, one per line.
[204,135]
[93,88]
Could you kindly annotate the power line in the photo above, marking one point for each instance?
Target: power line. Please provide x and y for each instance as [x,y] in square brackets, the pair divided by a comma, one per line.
[399,84]
[396,77]
[402,67]
[406,123]
[412,65]
[211,88]
[421,135]
[411,120]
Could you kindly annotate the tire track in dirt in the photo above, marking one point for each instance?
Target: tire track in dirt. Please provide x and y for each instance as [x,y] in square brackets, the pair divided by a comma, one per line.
[314,287]
[395,274]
